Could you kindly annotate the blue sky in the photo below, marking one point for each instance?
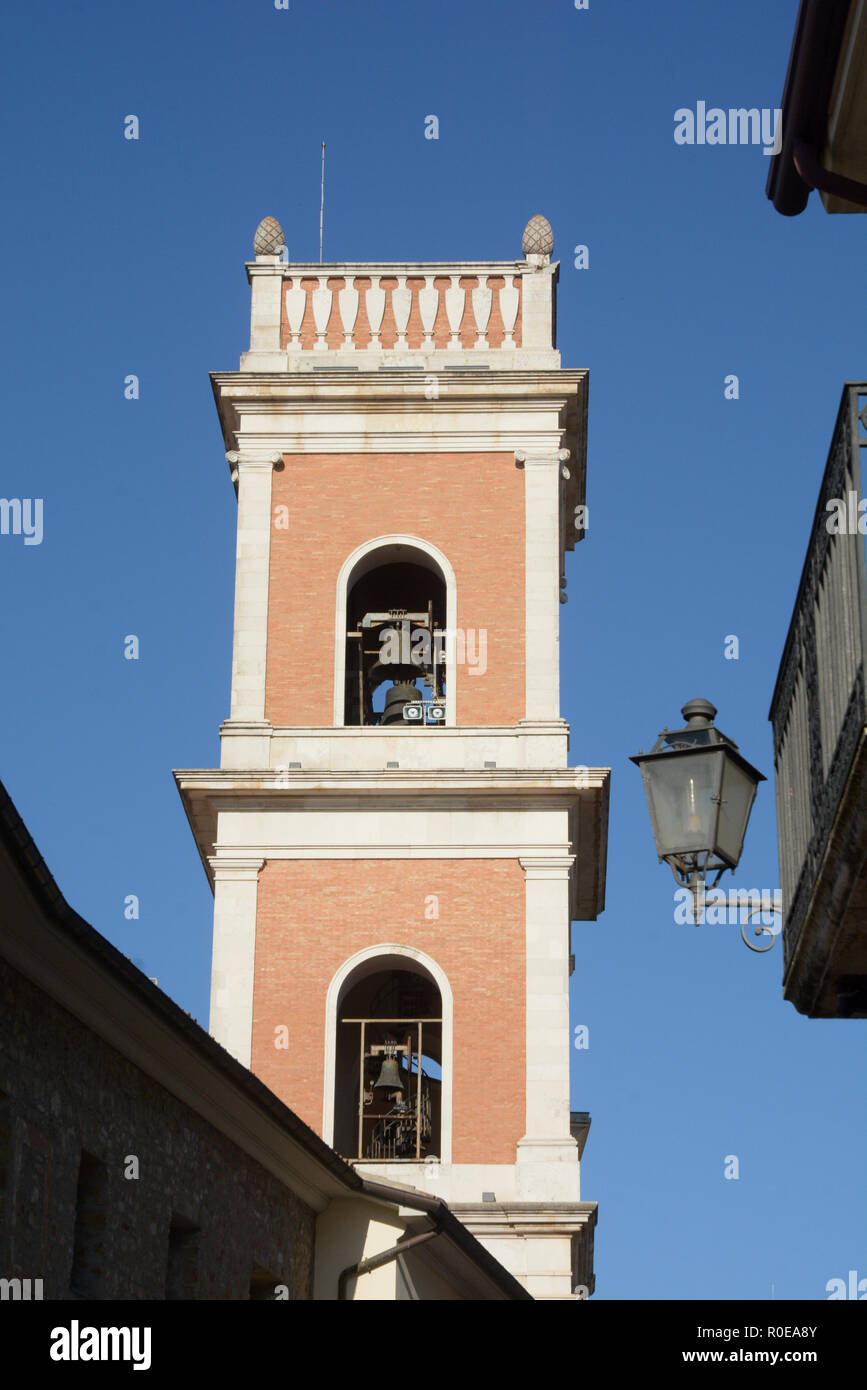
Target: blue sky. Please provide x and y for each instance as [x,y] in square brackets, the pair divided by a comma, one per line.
[127,257]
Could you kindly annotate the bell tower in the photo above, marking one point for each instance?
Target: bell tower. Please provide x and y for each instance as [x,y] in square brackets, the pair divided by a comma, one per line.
[395,840]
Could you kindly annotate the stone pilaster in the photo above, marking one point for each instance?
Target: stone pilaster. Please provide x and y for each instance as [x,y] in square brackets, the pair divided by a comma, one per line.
[542,556]
[251,584]
[236,883]
[547,1153]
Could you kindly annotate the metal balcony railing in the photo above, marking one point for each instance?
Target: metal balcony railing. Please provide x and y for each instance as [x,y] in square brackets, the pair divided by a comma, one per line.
[818,707]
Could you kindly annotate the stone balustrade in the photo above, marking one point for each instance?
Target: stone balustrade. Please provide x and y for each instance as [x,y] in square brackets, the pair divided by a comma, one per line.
[380,311]
[496,314]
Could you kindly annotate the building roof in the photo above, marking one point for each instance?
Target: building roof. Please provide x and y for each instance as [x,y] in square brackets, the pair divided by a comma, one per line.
[823,111]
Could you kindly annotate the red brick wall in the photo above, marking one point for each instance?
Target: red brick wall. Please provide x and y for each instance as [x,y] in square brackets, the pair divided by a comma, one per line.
[471,506]
[314,914]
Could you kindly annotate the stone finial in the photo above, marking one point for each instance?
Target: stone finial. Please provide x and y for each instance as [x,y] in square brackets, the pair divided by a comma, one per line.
[269,237]
[538,238]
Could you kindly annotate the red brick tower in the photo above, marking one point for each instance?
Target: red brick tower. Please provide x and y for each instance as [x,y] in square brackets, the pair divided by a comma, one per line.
[396,843]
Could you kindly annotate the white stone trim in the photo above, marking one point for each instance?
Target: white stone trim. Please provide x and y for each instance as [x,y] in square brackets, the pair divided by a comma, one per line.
[404,850]
[415,430]
[236,886]
[362,412]
[265,312]
[253,556]
[391,269]
[332,1003]
[347,572]
[542,581]
[548,1138]
[509,781]
[537,306]
[361,828]
[251,747]
[551,866]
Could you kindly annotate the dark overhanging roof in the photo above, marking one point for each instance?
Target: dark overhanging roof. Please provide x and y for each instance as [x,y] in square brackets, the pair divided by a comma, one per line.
[24,853]
[806,96]
[820,517]
[22,849]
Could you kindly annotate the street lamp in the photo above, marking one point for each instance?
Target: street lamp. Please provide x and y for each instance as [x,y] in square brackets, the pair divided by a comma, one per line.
[700,792]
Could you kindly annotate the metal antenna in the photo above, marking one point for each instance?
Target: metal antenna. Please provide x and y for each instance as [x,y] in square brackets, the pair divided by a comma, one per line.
[322,202]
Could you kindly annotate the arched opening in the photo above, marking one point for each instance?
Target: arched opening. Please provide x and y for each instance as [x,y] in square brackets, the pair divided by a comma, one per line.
[395,655]
[388,1064]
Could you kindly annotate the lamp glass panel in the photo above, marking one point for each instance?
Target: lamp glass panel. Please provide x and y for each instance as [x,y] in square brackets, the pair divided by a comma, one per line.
[679,790]
[737,793]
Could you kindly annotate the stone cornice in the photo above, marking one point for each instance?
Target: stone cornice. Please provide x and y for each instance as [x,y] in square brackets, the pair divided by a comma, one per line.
[402,782]
[237,868]
[273,265]
[395,382]
[547,865]
[581,793]
[503,849]
[525,1218]
[525,728]
[536,412]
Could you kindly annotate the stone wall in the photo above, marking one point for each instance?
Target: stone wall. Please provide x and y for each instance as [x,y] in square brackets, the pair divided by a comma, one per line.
[201,1220]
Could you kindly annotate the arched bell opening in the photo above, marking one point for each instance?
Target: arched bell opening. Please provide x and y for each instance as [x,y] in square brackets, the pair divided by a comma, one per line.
[395,669]
[388,1073]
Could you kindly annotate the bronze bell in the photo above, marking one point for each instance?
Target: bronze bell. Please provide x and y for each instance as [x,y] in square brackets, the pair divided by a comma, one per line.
[401,693]
[389,1076]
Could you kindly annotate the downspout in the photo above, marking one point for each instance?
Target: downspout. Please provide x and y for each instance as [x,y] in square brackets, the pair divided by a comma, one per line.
[375,1261]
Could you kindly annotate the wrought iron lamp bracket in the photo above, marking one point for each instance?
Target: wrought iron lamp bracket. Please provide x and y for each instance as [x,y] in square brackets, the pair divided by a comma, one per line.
[690,873]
